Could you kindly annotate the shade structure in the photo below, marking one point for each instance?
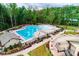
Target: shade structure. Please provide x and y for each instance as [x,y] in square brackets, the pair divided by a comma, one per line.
[39,34]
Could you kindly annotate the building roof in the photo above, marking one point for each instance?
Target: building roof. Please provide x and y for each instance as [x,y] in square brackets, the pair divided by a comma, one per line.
[12,42]
[4,38]
[74,20]
[75,44]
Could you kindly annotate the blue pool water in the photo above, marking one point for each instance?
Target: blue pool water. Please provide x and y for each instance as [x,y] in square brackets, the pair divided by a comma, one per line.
[28,31]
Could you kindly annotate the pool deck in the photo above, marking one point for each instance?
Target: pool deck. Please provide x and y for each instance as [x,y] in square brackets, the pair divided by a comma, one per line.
[42,32]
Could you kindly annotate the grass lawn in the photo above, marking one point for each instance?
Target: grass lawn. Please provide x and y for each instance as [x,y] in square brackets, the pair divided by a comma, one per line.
[40,51]
[69,27]
[70,32]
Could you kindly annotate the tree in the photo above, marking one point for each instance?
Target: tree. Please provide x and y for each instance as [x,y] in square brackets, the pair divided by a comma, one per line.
[3,13]
[9,10]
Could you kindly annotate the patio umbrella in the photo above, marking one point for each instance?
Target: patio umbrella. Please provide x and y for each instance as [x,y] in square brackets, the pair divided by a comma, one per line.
[39,34]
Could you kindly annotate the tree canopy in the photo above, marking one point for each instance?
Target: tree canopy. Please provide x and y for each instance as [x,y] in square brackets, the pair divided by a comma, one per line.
[11,15]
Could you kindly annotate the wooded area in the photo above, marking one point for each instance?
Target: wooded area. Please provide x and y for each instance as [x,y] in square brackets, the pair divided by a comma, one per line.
[11,15]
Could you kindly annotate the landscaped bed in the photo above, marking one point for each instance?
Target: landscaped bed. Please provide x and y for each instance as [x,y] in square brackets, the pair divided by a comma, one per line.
[41,51]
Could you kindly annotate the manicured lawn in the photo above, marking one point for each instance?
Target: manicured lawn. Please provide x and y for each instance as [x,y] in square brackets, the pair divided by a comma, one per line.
[70,32]
[69,27]
[40,51]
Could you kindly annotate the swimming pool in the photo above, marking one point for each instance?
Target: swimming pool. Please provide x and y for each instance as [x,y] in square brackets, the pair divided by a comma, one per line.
[28,31]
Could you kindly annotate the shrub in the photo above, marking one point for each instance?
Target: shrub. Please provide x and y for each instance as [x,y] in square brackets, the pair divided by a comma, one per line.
[10,47]
[15,45]
[5,49]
